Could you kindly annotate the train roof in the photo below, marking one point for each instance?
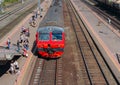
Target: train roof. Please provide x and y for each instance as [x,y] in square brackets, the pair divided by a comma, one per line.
[48,29]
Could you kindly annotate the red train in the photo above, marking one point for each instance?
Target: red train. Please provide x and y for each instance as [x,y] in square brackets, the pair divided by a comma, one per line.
[50,41]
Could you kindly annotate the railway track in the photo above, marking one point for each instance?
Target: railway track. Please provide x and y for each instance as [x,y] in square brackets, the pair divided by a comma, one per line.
[14,11]
[11,19]
[101,13]
[94,68]
[47,72]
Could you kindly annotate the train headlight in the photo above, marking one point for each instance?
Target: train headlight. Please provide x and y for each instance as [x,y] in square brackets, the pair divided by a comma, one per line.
[40,46]
[61,45]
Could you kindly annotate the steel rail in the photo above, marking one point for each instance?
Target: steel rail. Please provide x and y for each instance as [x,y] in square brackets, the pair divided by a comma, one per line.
[86,67]
[78,17]
[4,16]
[46,71]
[115,79]
[39,64]
[48,74]
[58,75]
[10,25]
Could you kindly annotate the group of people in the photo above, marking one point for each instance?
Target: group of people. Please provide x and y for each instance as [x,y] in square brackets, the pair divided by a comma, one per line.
[24,40]
[14,67]
[32,21]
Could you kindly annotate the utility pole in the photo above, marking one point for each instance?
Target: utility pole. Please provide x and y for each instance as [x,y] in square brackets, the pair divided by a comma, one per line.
[39,8]
[22,1]
[1,8]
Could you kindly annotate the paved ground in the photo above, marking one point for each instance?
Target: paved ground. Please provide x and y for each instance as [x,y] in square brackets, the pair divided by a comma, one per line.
[106,37]
[7,78]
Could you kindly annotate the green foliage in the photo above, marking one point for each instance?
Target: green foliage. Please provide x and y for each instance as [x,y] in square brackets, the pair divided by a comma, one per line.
[6,2]
[10,1]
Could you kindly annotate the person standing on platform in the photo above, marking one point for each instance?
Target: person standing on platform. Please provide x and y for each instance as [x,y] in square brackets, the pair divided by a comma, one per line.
[36,14]
[22,37]
[109,21]
[16,66]
[33,21]
[30,21]
[8,43]
[33,18]
[25,45]
[27,33]
[18,45]
[25,53]
[26,39]
[12,68]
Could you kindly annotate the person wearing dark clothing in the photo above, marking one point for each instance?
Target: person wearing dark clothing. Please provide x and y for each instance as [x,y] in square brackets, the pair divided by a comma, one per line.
[18,45]
[33,18]
[36,14]
[26,46]
[23,29]
[33,21]
[27,33]
[26,39]
[21,38]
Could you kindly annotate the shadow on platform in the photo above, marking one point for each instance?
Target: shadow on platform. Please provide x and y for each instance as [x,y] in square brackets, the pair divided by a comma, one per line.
[4,69]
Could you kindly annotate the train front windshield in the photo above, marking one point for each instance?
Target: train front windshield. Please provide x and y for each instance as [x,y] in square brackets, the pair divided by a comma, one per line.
[44,36]
[56,36]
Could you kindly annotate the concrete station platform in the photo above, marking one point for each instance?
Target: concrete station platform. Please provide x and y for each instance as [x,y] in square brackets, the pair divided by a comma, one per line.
[106,37]
[14,35]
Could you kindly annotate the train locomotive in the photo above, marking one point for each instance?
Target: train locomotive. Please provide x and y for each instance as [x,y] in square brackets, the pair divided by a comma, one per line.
[50,41]
[50,36]
[113,4]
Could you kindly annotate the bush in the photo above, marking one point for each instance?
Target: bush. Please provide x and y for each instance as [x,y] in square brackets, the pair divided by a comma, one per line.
[10,1]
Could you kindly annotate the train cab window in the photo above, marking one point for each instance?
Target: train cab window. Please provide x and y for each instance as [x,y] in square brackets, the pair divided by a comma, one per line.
[56,36]
[44,36]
